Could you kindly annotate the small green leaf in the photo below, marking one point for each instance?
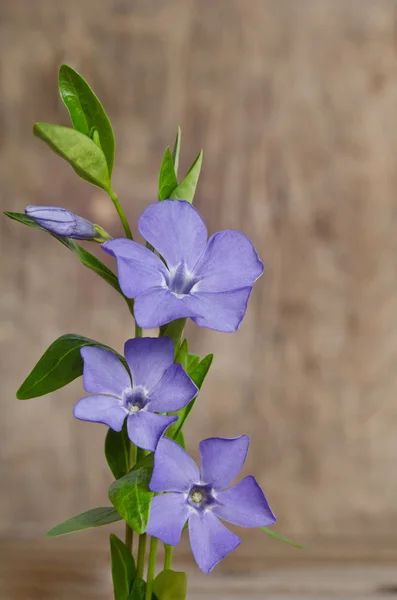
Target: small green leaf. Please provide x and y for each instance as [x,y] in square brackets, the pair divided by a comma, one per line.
[88,260]
[138,590]
[180,439]
[131,496]
[78,150]
[187,188]
[60,364]
[170,585]
[95,517]
[192,362]
[123,568]
[176,150]
[174,330]
[117,451]
[167,178]
[182,354]
[86,111]
[279,537]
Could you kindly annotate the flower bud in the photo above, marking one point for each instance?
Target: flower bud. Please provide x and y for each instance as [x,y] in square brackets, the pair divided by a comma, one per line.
[64,223]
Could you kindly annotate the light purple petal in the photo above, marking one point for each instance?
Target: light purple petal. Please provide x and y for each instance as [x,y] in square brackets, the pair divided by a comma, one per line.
[103,372]
[145,428]
[230,262]
[174,470]
[176,230]
[245,504]
[159,306]
[101,409]
[222,311]
[148,359]
[173,391]
[138,268]
[210,540]
[168,515]
[222,459]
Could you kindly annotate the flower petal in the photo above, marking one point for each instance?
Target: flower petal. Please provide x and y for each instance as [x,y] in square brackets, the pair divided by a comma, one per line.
[222,311]
[174,470]
[159,306]
[173,391]
[230,262]
[103,372]
[101,409]
[148,359]
[210,540]
[222,459]
[168,515]
[145,428]
[245,504]
[176,230]
[138,268]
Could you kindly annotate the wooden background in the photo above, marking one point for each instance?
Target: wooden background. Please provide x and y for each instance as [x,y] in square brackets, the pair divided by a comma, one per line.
[294,103]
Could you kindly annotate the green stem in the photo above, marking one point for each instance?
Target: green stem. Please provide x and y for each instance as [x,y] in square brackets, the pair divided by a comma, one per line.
[151,568]
[168,556]
[121,213]
[138,330]
[140,564]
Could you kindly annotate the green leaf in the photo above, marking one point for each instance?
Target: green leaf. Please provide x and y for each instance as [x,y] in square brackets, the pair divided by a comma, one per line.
[86,111]
[176,150]
[88,260]
[279,537]
[96,517]
[180,439]
[138,590]
[167,178]
[123,568]
[60,364]
[182,354]
[198,375]
[117,451]
[170,585]
[174,330]
[192,362]
[187,188]
[131,496]
[78,150]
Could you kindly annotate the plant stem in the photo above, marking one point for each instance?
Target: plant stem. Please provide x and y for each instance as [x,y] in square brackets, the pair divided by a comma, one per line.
[140,565]
[121,213]
[138,330]
[151,567]
[168,556]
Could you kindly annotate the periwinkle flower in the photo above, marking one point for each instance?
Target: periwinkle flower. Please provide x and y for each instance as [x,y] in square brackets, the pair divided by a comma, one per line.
[65,223]
[202,497]
[156,385]
[208,281]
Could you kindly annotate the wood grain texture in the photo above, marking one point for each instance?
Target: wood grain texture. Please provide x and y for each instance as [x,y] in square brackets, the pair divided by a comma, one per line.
[294,104]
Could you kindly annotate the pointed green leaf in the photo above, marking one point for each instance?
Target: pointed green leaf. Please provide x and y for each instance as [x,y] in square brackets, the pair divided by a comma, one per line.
[174,330]
[167,178]
[117,451]
[86,111]
[95,517]
[192,362]
[60,364]
[279,537]
[182,354]
[187,188]
[131,496]
[88,260]
[170,585]
[123,568]
[78,150]
[176,150]
[138,590]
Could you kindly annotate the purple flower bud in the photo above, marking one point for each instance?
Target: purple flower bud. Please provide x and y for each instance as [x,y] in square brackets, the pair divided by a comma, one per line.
[62,222]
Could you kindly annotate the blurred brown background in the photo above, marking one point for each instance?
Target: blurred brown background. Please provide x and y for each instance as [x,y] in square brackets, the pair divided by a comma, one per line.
[294,103]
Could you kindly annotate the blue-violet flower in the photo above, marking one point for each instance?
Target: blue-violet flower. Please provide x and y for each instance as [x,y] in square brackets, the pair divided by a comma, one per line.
[155,385]
[64,223]
[208,281]
[202,497]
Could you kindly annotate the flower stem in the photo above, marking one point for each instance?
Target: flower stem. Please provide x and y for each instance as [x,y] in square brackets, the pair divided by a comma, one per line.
[121,213]
[151,567]
[140,565]
[168,556]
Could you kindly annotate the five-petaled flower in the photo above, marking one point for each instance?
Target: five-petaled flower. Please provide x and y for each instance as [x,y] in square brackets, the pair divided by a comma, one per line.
[64,223]
[208,281]
[155,385]
[202,497]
